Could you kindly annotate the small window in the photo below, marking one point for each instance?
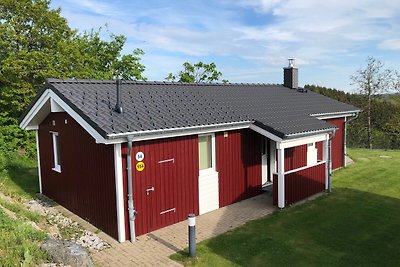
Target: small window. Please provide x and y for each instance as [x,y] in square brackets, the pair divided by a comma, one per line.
[205,152]
[56,152]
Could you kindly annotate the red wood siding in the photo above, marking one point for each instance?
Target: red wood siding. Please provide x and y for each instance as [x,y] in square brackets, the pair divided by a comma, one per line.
[86,184]
[175,182]
[295,157]
[337,146]
[238,165]
[302,184]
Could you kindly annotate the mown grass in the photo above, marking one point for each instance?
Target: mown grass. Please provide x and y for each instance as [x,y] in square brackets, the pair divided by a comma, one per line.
[356,225]
[19,241]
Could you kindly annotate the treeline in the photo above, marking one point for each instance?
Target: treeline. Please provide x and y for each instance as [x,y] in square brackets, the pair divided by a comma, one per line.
[385,118]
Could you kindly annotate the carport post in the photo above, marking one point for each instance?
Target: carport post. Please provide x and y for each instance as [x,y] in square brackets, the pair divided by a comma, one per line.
[192,234]
[281,178]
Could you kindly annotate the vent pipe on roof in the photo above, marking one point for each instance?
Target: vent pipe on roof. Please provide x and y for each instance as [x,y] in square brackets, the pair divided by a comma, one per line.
[291,75]
[118,105]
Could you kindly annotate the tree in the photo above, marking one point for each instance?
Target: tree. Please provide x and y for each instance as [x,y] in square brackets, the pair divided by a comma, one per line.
[197,73]
[37,43]
[372,80]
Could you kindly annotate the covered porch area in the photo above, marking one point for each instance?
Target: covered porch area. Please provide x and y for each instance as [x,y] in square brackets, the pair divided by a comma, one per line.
[296,168]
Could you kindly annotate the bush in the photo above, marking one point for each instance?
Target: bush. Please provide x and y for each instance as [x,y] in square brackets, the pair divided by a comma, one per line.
[15,139]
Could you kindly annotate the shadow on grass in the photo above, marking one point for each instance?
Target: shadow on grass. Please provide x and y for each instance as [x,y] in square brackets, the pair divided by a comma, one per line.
[22,177]
[348,227]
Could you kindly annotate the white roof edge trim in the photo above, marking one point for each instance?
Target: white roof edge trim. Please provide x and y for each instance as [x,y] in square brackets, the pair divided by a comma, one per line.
[265,133]
[181,129]
[36,107]
[176,132]
[331,115]
[49,94]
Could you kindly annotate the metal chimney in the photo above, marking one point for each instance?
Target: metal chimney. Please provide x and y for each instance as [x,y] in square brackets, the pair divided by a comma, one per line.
[291,75]
[118,106]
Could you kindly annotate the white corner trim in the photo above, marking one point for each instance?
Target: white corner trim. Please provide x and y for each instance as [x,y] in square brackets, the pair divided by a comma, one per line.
[265,133]
[119,192]
[38,159]
[301,141]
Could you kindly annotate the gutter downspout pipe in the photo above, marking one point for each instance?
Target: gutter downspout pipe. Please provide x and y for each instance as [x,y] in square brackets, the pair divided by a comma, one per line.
[330,161]
[131,208]
[346,122]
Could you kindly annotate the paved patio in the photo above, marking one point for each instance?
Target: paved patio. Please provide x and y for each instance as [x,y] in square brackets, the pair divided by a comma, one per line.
[154,249]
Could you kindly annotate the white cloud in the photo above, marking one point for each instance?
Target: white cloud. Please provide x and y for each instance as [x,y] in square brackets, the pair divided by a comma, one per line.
[390,44]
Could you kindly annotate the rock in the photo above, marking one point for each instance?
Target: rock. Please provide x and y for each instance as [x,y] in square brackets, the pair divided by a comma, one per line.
[36,206]
[53,231]
[67,253]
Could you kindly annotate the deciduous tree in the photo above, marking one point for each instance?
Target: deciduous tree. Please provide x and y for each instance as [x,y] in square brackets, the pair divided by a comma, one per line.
[197,73]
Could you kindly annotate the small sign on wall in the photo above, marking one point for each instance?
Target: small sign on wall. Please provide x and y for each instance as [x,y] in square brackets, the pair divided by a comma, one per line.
[140,166]
[140,156]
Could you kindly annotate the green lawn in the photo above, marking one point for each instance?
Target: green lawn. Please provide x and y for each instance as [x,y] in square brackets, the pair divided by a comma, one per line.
[19,241]
[358,224]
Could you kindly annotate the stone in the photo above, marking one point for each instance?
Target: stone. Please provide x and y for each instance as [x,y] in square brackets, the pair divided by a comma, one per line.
[67,253]
[53,232]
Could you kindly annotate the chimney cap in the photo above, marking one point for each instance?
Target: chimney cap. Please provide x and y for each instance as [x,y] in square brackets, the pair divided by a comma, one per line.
[291,62]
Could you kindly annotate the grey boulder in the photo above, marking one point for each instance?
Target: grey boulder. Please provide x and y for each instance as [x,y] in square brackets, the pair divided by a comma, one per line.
[67,253]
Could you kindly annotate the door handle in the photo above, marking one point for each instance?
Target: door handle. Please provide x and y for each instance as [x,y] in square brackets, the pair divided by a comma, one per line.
[148,190]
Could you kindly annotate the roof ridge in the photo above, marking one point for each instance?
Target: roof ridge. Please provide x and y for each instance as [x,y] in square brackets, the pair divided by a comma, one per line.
[98,81]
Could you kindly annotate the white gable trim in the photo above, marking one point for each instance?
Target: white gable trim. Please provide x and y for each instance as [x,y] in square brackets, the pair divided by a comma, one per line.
[58,104]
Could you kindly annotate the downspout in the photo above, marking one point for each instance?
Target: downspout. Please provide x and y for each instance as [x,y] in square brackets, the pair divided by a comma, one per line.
[131,208]
[345,137]
[330,161]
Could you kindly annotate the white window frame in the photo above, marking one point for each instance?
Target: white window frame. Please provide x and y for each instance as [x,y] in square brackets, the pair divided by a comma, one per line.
[212,169]
[56,151]
[312,154]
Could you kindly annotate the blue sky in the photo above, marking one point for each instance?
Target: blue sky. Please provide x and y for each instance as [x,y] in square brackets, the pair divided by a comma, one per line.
[250,40]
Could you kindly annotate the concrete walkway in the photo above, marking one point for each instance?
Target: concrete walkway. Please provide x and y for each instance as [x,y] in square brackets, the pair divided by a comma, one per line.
[154,249]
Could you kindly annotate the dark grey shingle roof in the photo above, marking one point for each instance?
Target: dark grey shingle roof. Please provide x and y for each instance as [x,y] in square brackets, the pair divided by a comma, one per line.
[156,105]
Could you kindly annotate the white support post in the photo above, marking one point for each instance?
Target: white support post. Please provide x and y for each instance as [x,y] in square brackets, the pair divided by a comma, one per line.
[272,158]
[325,152]
[281,178]
[119,192]
[38,159]
[345,142]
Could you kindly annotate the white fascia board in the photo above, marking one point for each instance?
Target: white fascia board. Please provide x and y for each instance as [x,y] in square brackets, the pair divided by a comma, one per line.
[78,118]
[38,160]
[301,141]
[34,110]
[175,133]
[334,115]
[265,133]
[58,103]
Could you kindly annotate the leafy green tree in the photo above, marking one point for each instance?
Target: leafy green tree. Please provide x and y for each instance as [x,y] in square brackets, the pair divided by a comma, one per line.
[36,43]
[197,73]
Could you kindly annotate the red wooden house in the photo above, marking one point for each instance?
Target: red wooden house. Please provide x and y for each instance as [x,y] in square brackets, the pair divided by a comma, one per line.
[133,157]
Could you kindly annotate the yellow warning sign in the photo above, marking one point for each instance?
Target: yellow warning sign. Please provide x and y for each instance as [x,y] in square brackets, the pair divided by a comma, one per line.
[140,166]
